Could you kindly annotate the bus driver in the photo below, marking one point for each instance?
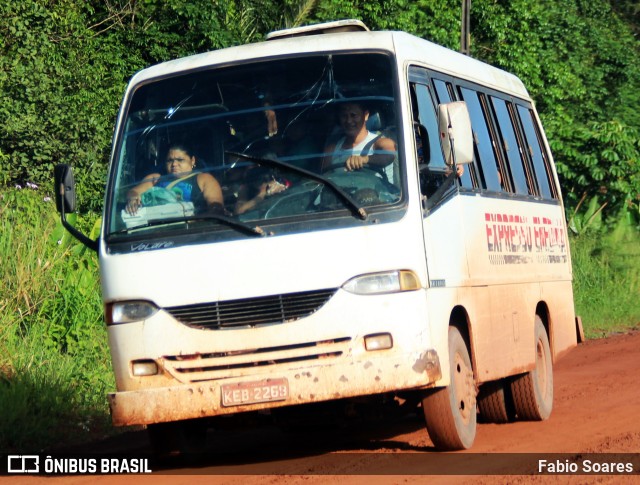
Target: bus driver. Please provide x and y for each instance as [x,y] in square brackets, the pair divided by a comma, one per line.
[358,146]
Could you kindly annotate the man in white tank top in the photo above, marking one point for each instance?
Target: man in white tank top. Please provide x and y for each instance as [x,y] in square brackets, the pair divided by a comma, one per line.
[358,147]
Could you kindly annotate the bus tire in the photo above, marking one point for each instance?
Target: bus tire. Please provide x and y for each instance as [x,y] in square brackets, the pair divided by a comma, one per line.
[494,402]
[533,392]
[450,412]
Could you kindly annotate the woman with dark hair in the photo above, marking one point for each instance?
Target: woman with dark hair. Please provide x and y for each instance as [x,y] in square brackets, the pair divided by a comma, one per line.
[184,182]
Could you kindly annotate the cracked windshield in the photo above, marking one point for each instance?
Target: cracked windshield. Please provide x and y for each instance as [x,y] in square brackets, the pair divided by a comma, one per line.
[241,147]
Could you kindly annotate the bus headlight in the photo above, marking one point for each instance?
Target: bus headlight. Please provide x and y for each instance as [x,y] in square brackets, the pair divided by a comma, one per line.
[144,367]
[129,311]
[388,282]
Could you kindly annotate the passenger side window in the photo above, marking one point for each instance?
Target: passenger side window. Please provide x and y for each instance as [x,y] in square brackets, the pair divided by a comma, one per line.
[426,116]
[511,148]
[538,156]
[444,96]
[431,165]
[485,149]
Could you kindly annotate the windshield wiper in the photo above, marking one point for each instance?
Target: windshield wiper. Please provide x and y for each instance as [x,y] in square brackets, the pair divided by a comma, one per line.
[351,203]
[228,221]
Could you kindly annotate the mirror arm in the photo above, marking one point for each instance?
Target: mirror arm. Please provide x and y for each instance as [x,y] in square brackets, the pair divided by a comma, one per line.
[454,165]
[90,243]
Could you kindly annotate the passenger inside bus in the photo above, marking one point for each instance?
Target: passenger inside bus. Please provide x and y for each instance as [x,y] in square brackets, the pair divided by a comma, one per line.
[258,185]
[358,147]
[183,182]
[298,142]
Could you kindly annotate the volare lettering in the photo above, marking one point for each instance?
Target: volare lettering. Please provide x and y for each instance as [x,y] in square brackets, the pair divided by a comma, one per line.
[151,246]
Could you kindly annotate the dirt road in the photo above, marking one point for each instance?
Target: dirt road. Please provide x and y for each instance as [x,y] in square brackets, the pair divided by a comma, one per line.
[596,410]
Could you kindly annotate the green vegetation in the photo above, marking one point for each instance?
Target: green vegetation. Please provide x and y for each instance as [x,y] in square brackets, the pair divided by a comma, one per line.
[606,270]
[54,364]
[64,66]
[606,285]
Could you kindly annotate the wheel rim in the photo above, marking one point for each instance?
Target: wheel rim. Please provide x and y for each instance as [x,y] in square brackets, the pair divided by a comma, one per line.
[463,384]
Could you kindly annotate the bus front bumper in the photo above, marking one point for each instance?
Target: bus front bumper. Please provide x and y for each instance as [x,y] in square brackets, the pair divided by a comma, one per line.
[285,388]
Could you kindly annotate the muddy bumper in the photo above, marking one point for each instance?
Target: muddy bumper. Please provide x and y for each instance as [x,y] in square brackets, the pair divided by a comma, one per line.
[258,392]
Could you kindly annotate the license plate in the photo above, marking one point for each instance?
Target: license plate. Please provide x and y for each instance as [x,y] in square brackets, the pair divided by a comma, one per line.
[254,392]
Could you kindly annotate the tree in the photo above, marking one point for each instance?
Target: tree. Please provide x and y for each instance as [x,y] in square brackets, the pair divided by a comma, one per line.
[59,89]
[64,66]
[435,21]
[580,62]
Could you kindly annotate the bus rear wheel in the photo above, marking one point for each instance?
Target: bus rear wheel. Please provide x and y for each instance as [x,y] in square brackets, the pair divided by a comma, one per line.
[495,404]
[533,392]
[450,412]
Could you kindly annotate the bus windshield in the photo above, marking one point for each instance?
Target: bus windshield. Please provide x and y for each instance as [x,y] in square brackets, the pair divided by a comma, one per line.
[261,143]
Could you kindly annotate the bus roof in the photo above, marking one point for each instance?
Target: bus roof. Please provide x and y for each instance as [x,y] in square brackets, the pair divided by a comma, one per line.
[407,48]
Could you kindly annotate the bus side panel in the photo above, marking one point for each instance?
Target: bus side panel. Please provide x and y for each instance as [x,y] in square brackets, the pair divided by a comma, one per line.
[445,246]
[501,336]
[515,241]
[518,250]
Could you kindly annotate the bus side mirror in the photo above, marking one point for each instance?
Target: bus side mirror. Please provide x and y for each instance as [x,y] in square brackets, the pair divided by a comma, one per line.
[65,189]
[454,125]
[65,194]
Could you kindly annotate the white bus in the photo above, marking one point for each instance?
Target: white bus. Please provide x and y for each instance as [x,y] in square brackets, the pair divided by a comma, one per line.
[359,216]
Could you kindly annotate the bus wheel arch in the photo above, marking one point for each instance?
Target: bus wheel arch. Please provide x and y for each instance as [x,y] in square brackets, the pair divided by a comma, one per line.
[542,312]
[450,412]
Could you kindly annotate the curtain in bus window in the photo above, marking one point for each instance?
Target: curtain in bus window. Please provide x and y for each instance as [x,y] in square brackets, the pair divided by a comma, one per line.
[484,146]
[539,160]
[510,145]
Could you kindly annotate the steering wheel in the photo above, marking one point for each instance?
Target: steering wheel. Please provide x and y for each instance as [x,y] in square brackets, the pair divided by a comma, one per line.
[355,182]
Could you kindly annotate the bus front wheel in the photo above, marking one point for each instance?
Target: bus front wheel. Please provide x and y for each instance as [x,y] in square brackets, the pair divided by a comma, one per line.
[450,412]
[533,392]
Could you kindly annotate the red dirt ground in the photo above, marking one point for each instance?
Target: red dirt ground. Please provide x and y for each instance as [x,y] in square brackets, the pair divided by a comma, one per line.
[596,410]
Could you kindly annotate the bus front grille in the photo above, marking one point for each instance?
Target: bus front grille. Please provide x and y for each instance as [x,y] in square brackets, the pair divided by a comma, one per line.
[238,363]
[251,312]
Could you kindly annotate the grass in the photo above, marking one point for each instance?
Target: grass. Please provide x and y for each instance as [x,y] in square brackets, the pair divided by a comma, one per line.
[55,367]
[606,272]
[54,363]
